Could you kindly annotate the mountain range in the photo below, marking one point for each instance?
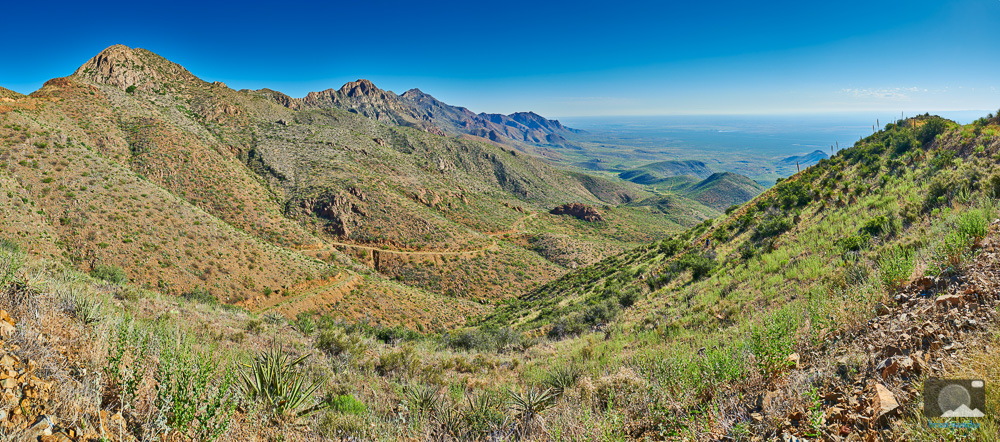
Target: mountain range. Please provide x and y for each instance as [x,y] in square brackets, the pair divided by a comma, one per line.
[348,190]
[183,261]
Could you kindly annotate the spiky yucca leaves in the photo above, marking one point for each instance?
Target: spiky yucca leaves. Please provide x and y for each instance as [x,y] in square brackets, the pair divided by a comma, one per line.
[272,380]
[422,397]
[561,378]
[526,407]
[274,318]
[483,416]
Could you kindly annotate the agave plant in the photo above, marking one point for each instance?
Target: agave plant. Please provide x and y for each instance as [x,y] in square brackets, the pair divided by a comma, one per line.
[272,380]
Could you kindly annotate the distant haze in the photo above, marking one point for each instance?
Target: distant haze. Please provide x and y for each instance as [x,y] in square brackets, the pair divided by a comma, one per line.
[765,135]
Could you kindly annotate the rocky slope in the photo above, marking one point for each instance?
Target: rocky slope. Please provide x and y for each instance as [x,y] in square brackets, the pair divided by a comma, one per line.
[417,109]
[196,188]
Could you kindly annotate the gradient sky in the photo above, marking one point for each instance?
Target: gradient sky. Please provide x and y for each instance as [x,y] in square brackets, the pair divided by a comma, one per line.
[558,59]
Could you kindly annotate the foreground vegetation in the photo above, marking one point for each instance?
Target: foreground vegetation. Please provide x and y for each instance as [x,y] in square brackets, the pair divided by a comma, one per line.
[686,338]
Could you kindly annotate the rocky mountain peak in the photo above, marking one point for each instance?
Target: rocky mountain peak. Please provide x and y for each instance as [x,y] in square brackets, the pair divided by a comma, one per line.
[118,65]
[359,88]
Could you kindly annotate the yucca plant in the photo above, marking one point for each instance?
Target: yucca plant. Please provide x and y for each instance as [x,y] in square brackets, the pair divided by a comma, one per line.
[272,380]
[531,403]
[422,397]
[274,318]
[562,378]
[450,420]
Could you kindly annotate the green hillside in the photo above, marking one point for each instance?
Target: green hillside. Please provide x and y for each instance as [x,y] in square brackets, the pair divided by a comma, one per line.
[656,172]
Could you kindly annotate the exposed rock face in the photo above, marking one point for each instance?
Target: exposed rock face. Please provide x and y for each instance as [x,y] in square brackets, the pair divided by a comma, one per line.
[121,66]
[580,211]
[364,98]
[414,108]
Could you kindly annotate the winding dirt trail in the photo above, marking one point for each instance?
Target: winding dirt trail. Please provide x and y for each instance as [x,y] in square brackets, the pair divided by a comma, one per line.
[517,227]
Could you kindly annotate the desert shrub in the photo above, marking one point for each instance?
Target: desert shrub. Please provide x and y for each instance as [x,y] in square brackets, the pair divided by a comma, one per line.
[566,326]
[670,247]
[772,340]
[304,323]
[471,339]
[720,235]
[130,89]
[939,193]
[949,253]
[400,361]
[109,273]
[792,194]
[974,224]
[11,261]
[732,208]
[700,264]
[895,267]
[931,129]
[852,243]
[340,426]
[191,395]
[483,414]
[942,159]
[391,335]
[562,377]
[771,225]
[903,142]
[347,404]
[200,294]
[335,342]
[628,297]
[879,225]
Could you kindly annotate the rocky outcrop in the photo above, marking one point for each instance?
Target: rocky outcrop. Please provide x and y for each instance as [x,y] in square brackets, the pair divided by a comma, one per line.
[121,66]
[415,108]
[580,211]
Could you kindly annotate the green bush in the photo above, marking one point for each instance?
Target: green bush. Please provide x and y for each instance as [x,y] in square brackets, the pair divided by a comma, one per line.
[11,261]
[347,404]
[895,267]
[191,395]
[773,340]
[771,225]
[931,129]
[336,342]
[130,89]
[200,294]
[974,224]
[109,273]
[878,225]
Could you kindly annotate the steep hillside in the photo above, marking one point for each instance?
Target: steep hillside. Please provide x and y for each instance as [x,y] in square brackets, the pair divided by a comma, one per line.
[721,190]
[199,189]
[791,284]
[656,172]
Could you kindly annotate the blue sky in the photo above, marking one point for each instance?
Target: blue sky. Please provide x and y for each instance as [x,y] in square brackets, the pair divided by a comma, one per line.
[558,59]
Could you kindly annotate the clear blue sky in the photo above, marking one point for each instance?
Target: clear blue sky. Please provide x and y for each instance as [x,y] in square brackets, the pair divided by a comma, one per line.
[559,59]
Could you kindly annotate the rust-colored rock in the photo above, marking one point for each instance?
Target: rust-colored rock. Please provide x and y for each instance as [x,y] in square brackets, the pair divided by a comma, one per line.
[580,211]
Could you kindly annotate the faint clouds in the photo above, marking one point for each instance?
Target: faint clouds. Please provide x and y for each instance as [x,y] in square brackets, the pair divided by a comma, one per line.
[897,93]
